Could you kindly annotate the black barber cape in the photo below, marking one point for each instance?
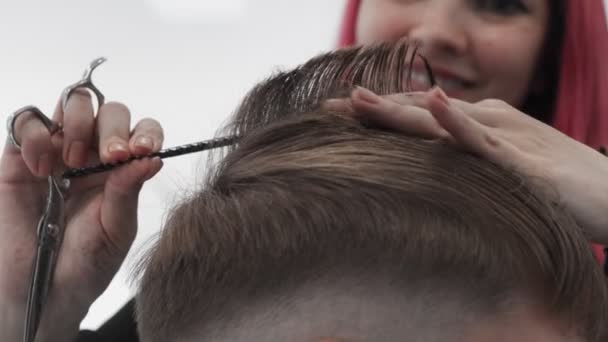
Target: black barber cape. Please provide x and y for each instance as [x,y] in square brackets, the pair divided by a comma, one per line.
[120,328]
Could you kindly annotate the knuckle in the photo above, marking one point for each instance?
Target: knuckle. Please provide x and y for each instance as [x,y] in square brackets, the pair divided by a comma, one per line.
[407,99]
[35,140]
[29,124]
[23,119]
[81,93]
[117,108]
[493,103]
[393,108]
[491,141]
[394,97]
[150,122]
[150,126]
[76,100]
[78,125]
[337,105]
[36,136]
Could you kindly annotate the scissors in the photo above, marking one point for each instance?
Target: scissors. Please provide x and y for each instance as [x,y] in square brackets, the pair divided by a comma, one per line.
[51,226]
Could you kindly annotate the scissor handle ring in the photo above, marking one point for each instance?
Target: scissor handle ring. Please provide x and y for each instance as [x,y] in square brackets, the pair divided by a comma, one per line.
[82,84]
[87,83]
[51,125]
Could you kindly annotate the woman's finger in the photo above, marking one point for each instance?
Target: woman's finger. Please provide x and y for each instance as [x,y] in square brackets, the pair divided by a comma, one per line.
[147,137]
[469,132]
[344,105]
[390,114]
[36,147]
[488,112]
[78,128]
[415,98]
[113,130]
[119,207]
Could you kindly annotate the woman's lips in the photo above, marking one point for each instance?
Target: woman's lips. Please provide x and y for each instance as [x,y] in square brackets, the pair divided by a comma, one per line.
[453,82]
[420,81]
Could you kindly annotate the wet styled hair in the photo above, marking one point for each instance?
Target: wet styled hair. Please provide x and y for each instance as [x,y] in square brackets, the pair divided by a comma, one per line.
[309,195]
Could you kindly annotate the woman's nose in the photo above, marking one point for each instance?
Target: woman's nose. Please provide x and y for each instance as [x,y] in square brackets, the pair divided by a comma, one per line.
[439,29]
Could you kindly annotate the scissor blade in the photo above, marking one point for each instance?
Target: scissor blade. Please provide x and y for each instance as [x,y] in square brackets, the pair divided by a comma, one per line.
[50,234]
[41,281]
[42,275]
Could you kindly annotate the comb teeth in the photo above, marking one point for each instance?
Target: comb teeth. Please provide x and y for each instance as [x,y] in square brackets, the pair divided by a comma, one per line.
[166,153]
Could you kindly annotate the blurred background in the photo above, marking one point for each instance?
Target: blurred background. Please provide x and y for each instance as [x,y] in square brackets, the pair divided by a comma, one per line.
[186,63]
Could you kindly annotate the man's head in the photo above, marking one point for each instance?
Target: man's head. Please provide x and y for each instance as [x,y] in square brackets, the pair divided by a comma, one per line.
[316,228]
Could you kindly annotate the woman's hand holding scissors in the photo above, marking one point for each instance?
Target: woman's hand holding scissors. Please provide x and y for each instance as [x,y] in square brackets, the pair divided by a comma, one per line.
[100,210]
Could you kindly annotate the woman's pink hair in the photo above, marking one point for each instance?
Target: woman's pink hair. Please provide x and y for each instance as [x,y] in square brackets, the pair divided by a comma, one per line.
[581,108]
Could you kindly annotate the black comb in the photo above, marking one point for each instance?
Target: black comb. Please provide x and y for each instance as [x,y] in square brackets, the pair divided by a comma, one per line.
[166,153]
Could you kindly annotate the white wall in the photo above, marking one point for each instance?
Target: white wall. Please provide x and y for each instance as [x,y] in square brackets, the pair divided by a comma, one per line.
[187,69]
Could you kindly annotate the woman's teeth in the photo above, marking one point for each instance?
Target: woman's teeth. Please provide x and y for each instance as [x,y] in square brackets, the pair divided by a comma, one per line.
[445,83]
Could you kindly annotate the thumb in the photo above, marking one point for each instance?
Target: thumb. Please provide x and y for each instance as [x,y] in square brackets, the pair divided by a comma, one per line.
[119,206]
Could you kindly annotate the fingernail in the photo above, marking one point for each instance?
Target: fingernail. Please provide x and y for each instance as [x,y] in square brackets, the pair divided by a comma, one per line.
[144,141]
[44,165]
[367,95]
[337,105]
[441,94]
[76,153]
[117,147]
[117,150]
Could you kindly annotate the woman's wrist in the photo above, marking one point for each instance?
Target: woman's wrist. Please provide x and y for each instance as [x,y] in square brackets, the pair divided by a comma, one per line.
[60,320]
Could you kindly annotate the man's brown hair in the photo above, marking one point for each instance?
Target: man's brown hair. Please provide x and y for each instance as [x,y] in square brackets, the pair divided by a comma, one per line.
[317,197]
